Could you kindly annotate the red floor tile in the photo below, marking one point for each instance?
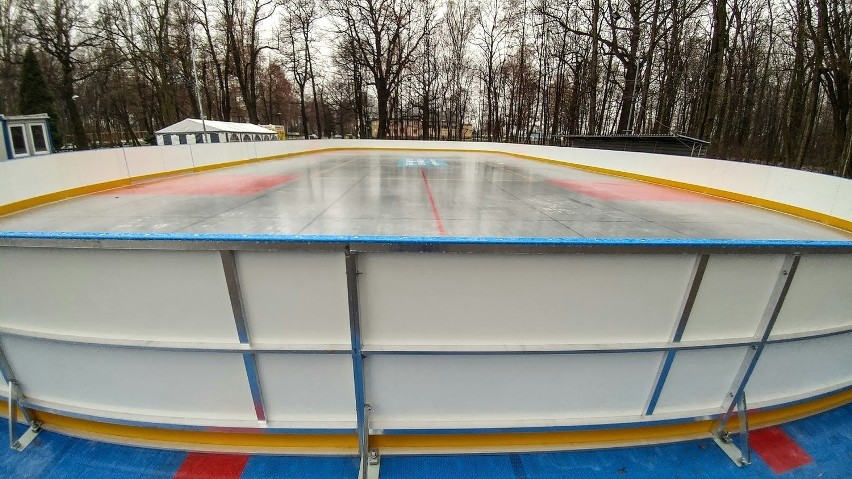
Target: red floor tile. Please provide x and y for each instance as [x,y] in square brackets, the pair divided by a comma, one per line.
[212,466]
[778,450]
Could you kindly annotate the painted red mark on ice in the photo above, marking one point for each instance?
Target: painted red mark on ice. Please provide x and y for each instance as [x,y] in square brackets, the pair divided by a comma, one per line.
[212,466]
[631,190]
[778,450]
[438,222]
[212,185]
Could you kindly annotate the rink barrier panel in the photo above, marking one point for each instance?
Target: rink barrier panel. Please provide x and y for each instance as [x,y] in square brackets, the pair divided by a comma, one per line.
[118,356]
[818,197]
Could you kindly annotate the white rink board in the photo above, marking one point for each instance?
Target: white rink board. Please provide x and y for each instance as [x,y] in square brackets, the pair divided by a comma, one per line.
[147,160]
[699,380]
[790,369]
[519,299]
[309,390]
[295,298]
[413,300]
[147,295]
[819,297]
[733,296]
[121,382]
[490,391]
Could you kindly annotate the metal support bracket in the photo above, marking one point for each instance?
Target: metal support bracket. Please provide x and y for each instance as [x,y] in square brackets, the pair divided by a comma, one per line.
[741,455]
[370,457]
[34,427]
[232,280]
[735,398]
[373,463]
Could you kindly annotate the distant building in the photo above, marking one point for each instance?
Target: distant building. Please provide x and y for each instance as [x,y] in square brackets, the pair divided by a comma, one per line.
[191,131]
[280,129]
[25,135]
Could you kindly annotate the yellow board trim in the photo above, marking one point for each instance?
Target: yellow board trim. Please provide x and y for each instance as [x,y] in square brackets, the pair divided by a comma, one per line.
[190,438]
[445,442]
[826,219]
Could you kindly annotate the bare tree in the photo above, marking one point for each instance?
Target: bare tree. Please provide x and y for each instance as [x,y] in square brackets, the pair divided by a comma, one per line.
[62,29]
[385,35]
[242,22]
[490,39]
[11,34]
[296,56]
[300,18]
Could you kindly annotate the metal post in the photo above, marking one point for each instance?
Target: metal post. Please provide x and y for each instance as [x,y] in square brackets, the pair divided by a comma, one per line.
[14,404]
[688,302]
[743,416]
[232,279]
[740,455]
[369,459]
[735,399]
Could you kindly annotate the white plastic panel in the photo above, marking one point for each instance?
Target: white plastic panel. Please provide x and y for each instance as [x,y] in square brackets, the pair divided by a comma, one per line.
[519,299]
[130,381]
[490,390]
[95,166]
[819,297]
[177,158]
[733,296]
[790,369]
[698,380]
[295,297]
[308,388]
[147,160]
[216,153]
[155,295]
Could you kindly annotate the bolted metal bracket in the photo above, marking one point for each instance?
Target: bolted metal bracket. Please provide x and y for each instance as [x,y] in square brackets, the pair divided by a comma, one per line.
[374,460]
[20,443]
[370,458]
[741,455]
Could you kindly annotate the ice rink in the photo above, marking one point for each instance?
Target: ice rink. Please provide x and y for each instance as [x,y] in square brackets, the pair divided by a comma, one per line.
[414,193]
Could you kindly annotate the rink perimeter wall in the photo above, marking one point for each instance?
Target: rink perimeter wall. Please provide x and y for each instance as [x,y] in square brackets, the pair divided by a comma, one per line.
[454,343]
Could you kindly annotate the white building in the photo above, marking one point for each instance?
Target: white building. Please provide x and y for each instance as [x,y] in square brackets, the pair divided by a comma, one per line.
[191,131]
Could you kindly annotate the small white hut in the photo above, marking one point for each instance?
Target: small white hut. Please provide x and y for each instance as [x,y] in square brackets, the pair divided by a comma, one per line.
[191,131]
[24,135]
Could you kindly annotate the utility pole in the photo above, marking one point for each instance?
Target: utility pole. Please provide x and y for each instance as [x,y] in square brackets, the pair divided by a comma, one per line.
[191,32]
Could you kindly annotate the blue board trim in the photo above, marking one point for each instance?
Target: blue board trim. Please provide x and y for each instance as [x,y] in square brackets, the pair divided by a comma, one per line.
[443,240]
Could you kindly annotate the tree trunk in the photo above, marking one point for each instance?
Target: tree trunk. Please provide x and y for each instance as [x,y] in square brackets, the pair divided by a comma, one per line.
[81,141]
[382,98]
[704,120]
[303,110]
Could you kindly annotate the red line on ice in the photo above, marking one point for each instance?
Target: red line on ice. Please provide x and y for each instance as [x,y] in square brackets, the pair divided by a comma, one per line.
[437,215]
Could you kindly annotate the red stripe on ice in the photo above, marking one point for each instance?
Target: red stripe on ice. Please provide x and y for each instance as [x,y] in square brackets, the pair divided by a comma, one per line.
[210,185]
[631,190]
